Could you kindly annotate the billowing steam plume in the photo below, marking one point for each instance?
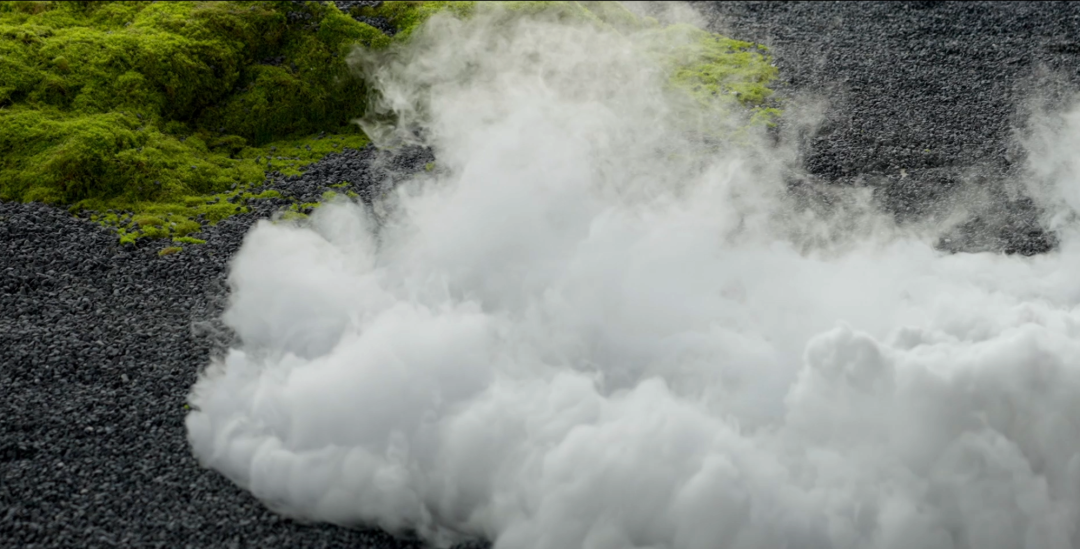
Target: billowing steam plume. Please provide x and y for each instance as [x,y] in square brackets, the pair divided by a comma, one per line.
[586,328]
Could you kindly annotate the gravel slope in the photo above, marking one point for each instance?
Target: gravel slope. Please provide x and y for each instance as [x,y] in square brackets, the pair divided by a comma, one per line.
[921,95]
[99,345]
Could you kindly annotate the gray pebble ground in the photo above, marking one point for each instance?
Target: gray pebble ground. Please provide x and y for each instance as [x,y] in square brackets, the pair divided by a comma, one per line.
[922,96]
[99,345]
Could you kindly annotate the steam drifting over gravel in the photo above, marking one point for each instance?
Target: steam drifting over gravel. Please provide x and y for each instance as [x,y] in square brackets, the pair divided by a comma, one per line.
[575,333]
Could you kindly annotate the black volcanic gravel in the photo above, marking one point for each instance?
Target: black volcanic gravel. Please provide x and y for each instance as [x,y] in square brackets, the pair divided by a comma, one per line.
[100,344]
[922,95]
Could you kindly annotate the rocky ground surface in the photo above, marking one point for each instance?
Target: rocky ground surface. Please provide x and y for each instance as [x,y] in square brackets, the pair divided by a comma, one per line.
[921,98]
[99,345]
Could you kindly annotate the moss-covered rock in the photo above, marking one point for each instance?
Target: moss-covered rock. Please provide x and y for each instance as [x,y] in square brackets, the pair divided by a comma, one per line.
[169,110]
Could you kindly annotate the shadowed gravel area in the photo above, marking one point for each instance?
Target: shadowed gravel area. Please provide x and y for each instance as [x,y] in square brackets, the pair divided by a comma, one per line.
[99,345]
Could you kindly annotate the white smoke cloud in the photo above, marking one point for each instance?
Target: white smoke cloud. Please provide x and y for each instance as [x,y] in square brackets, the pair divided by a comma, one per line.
[1054,167]
[575,334]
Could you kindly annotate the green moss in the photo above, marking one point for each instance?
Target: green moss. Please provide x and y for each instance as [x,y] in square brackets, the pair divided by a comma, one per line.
[171,111]
[155,232]
[617,16]
[160,59]
[169,251]
[289,156]
[188,240]
[290,215]
[718,71]
[407,16]
[261,196]
[156,107]
[54,156]
[147,220]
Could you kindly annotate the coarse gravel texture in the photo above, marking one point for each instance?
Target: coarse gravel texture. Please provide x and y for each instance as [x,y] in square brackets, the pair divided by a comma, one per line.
[921,97]
[100,344]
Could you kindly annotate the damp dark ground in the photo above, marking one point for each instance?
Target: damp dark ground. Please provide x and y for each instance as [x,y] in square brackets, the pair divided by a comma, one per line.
[99,344]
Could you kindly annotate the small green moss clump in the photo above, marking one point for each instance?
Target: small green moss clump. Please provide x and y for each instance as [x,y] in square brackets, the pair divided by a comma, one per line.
[292,216]
[719,71]
[170,251]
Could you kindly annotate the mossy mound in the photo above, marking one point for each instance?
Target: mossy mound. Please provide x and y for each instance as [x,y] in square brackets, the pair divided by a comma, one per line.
[169,110]
[150,107]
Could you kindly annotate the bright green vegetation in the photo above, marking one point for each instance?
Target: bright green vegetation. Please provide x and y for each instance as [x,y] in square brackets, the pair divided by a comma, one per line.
[159,116]
[716,70]
[165,109]
[406,16]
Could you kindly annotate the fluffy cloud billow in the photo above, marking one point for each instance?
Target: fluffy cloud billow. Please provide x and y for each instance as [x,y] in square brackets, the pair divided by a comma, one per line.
[586,329]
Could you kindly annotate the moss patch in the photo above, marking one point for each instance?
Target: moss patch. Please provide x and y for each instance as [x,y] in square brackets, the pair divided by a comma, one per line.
[714,68]
[407,16]
[159,116]
[158,108]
